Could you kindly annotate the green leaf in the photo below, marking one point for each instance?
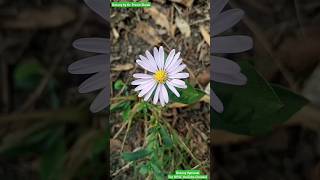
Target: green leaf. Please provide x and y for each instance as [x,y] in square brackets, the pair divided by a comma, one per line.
[133,156]
[165,137]
[119,84]
[120,106]
[243,105]
[51,165]
[157,171]
[126,112]
[28,75]
[144,169]
[256,108]
[190,95]
[292,104]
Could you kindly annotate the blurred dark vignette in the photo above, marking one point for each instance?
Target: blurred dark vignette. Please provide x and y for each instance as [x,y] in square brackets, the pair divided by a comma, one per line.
[45,122]
[47,131]
[286,52]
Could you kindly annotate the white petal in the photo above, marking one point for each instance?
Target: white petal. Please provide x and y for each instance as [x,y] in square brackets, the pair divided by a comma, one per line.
[174,65]
[178,69]
[179,76]
[156,56]
[147,62]
[144,85]
[164,93]
[162,101]
[145,66]
[169,58]
[172,88]
[161,57]
[142,76]
[148,95]
[174,60]
[151,59]
[146,89]
[139,81]
[156,94]
[178,83]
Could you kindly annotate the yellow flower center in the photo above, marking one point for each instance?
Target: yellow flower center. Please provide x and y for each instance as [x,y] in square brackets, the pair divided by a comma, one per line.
[160,76]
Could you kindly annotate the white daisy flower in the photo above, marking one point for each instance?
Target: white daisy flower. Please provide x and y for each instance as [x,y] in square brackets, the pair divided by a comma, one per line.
[224,70]
[164,74]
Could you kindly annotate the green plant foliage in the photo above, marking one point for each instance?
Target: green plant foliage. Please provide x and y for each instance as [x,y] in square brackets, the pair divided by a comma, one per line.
[255,108]
[190,95]
[167,141]
[292,103]
[133,156]
[28,75]
[119,84]
[52,160]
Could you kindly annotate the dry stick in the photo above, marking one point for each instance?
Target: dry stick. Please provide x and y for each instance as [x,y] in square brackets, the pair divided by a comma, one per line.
[133,112]
[199,21]
[202,163]
[127,81]
[120,130]
[133,97]
[37,93]
[182,143]
[124,168]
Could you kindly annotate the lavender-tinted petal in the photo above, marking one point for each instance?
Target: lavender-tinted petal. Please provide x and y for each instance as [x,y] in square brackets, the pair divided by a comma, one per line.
[231,44]
[93,83]
[217,7]
[223,65]
[215,102]
[226,20]
[101,101]
[233,79]
[101,7]
[96,45]
[90,65]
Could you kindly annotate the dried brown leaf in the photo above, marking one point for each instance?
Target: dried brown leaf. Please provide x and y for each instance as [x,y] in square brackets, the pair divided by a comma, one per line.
[160,18]
[204,77]
[115,146]
[147,33]
[178,105]
[205,34]
[160,1]
[183,26]
[123,67]
[115,34]
[187,3]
